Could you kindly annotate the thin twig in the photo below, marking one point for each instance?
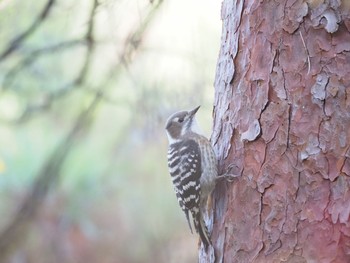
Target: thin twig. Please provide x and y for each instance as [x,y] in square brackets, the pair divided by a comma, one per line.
[35,55]
[79,80]
[131,46]
[89,37]
[15,232]
[15,43]
[51,169]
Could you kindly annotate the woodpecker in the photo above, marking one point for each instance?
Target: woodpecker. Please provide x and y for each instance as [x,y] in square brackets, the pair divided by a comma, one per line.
[193,168]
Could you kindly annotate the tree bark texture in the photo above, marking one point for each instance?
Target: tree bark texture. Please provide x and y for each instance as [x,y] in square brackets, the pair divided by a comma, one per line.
[282,121]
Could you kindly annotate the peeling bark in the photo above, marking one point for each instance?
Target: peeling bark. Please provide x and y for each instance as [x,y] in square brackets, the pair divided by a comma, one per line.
[282,121]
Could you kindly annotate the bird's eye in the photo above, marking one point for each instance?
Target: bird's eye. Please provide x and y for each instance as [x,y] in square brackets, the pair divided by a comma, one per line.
[181,120]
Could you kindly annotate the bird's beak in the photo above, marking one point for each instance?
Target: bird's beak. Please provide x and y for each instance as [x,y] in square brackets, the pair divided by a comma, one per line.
[193,112]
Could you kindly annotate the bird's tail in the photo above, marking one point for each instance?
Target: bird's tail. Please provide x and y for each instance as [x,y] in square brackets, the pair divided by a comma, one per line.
[201,228]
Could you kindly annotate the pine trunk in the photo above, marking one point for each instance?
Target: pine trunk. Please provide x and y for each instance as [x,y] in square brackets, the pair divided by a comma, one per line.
[282,122]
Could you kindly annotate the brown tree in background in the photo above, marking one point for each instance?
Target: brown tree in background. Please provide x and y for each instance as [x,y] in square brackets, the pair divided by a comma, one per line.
[282,121]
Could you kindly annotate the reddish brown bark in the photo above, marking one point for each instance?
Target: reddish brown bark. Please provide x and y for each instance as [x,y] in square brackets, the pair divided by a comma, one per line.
[282,119]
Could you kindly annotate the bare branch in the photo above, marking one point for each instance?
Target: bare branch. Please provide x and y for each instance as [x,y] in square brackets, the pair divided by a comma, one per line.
[35,54]
[77,81]
[31,29]
[50,171]
[135,39]
[15,232]
[131,47]
[89,38]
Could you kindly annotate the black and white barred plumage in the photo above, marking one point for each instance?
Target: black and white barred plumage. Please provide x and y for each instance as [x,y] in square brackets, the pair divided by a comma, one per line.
[193,168]
[185,170]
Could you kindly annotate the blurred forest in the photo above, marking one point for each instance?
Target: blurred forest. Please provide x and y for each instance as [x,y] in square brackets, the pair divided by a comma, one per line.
[85,89]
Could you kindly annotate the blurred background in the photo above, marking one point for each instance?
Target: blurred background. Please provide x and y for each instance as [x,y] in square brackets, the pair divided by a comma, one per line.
[85,89]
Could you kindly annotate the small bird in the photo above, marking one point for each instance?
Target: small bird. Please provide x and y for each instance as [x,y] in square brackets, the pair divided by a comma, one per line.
[193,168]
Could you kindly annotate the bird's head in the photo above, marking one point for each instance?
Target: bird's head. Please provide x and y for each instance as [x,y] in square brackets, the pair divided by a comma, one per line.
[180,123]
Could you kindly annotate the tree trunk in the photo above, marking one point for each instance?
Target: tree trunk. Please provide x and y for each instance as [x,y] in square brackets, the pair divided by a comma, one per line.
[282,121]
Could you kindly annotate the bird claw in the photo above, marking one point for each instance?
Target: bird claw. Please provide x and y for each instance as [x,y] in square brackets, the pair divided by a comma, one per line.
[229,168]
[227,175]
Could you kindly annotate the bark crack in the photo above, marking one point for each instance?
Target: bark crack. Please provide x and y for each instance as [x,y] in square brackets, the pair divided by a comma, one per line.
[328,201]
[318,135]
[289,124]
[307,53]
[285,215]
[295,247]
[298,187]
[260,208]
[344,160]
